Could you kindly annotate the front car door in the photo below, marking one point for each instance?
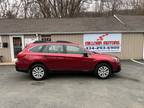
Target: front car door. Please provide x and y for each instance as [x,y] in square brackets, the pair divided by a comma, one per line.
[75,60]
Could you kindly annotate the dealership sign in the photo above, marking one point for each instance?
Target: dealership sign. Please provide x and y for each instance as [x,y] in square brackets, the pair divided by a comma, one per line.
[106,42]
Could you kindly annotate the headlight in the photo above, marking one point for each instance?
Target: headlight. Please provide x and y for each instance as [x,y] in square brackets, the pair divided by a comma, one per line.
[116,59]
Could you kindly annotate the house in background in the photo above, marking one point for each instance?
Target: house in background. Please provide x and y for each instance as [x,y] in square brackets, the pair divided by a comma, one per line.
[128,31]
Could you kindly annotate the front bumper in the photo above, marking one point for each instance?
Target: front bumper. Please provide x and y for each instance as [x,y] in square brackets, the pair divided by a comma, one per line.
[117,68]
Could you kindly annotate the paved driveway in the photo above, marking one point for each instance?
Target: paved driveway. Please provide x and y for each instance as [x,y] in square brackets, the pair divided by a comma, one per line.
[122,90]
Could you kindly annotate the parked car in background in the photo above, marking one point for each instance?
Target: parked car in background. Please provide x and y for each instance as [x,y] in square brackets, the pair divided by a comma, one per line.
[39,58]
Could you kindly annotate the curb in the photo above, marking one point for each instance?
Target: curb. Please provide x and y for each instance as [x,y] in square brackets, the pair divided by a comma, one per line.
[7,64]
[137,62]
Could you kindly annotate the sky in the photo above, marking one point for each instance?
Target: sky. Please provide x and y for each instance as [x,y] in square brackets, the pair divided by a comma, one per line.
[92,6]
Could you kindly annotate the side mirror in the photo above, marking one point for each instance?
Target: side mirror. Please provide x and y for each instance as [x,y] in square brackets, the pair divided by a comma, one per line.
[85,54]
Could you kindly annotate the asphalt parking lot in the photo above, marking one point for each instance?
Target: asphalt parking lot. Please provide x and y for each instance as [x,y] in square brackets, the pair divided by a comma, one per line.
[122,90]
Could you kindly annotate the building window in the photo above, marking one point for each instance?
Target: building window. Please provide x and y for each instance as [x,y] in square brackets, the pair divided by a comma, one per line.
[0,42]
[30,39]
[46,38]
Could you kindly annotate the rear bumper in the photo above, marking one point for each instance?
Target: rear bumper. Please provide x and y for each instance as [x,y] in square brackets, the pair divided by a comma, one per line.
[21,67]
[21,70]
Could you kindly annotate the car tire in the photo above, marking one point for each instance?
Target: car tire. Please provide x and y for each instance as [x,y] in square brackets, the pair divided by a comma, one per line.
[103,71]
[38,72]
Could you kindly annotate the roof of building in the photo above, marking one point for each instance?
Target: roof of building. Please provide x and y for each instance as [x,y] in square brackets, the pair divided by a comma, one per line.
[73,25]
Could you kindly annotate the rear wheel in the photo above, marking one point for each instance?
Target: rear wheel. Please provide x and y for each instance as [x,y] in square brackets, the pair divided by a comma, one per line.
[103,71]
[38,72]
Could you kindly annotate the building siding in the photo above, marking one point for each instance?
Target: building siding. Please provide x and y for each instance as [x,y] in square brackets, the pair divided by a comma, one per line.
[6,52]
[143,47]
[132,44]
[72,38]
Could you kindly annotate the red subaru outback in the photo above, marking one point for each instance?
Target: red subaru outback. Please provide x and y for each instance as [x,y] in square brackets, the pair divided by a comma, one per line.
[39,58]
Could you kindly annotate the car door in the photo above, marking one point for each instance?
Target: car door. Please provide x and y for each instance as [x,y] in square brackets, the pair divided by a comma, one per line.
[54,57]
[75,59]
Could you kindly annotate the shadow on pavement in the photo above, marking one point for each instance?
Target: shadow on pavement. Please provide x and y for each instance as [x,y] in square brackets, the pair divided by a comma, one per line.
[115,76]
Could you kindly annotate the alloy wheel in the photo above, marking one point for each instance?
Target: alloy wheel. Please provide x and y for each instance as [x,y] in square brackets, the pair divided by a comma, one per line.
[38,72]
[103,71]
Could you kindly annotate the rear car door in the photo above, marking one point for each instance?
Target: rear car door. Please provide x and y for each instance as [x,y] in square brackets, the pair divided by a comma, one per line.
[54,57]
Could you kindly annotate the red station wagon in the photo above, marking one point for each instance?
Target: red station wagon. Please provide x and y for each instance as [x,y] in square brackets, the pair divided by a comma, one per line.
[39,58]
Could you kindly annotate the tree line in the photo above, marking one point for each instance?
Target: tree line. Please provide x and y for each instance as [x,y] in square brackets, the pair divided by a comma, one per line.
[68,8]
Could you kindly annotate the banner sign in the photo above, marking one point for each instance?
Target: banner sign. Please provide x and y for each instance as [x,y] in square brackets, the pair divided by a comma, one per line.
[106,42]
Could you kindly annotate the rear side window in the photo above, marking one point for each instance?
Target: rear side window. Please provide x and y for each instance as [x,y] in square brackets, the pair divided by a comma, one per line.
[53,49]
[37,49]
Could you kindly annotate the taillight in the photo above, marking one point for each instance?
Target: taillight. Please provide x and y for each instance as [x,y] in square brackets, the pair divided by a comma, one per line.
[21,55]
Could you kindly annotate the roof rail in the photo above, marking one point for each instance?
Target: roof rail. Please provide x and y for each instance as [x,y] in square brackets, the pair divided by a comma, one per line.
[40,41]
[61,41]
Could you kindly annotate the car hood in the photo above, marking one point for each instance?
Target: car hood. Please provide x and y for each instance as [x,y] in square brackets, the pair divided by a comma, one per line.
[103,56]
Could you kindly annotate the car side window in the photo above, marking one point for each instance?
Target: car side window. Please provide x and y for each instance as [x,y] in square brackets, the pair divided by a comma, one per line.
[37,48]
[74,50]
[53,49]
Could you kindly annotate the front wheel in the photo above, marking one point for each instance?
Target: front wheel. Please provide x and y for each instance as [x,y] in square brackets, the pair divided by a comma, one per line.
[38,72]
[103,71]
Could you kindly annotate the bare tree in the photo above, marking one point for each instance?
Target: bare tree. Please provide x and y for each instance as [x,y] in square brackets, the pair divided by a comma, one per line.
[67,8]
[61,8]
[4,7]
[8,10]
[99,7]
[113,5]
[26,7]
[137,6]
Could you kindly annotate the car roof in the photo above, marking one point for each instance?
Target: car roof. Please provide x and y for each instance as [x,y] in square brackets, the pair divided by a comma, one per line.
[53,42]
